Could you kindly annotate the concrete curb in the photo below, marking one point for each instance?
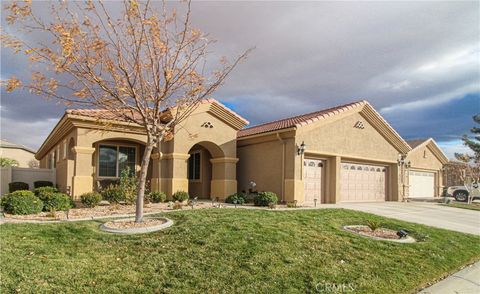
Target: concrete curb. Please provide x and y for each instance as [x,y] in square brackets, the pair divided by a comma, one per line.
[132,231]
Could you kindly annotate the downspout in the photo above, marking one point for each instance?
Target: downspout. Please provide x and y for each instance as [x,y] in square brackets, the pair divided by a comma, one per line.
[283,165]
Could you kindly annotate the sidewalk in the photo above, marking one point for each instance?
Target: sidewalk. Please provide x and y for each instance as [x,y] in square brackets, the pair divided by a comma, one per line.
[464,282]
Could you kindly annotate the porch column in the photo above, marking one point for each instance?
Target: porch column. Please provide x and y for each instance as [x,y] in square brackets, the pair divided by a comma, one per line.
[83,171]
[224,177]
[175,178]
[333,180]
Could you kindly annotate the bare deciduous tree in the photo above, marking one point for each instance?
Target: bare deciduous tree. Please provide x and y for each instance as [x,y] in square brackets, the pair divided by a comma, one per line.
[146,66]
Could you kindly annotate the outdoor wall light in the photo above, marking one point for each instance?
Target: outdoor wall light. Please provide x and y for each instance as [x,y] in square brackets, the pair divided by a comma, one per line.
[301,148]
[402,161]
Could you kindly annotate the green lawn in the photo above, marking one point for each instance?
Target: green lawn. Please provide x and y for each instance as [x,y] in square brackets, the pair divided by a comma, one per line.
[473,206]
[228,251]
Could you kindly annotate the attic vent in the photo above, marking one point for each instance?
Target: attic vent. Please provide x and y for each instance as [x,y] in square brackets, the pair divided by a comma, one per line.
[207,125]
[359,125]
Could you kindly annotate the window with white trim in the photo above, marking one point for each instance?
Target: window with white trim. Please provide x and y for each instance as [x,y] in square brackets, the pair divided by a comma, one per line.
[113,159]
[194,166]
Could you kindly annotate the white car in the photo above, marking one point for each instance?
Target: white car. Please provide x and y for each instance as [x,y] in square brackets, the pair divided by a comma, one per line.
[460,193]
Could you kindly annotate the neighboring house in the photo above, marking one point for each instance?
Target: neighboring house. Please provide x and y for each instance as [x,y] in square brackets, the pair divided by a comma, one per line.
[425,177]
[24,155]
[452,175]
[350,154]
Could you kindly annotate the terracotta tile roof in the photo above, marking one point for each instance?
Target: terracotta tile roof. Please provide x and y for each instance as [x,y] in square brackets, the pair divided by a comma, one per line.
[108,115]
[416,142]
[298,120]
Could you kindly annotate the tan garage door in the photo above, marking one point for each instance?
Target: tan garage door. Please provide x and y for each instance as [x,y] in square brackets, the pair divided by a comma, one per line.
[422,184]
[312,176]
[362,182]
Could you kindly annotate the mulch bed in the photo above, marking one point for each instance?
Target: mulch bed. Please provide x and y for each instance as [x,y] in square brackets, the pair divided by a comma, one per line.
[379,233]
[98,211]
[128,224]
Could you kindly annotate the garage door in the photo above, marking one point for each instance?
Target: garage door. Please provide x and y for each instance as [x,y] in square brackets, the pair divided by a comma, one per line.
[312,176]
[422,184]
[362,182]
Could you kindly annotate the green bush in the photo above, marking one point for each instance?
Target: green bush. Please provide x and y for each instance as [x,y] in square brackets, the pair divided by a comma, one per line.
[44,192]
[57,202]
[21,202]
[113,194]
[237,198]
[39,184]
[91,199]
[128,184]
[16,186]
[373,224]
[157,197]
[180,196]
[265,199]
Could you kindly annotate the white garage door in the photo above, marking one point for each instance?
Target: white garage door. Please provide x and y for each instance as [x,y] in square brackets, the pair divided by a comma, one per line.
[312,176]
[362,182]
[422,184]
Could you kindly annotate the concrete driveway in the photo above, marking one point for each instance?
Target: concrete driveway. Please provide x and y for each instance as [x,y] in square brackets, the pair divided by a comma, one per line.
[431,214]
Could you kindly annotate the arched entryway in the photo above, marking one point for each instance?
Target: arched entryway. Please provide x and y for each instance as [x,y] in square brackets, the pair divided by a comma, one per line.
[199,169]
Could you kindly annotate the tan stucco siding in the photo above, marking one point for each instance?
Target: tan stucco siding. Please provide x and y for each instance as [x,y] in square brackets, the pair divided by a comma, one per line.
[423,158]
[22,156]
[261,163]
[342,138]
[193,131]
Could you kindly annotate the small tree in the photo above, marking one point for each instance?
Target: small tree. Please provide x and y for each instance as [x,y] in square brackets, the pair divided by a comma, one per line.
[144,64]
[5,162]
[33,163]
[471,171]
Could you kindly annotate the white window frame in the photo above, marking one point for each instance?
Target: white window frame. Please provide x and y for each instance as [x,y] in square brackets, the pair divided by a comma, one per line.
[116,167]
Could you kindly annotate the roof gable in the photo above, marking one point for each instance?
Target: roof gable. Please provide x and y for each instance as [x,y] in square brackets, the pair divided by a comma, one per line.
[374,118]
[297,121]
[431,145]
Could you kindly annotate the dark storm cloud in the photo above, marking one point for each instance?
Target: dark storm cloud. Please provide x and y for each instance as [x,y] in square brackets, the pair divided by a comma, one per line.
[402,57]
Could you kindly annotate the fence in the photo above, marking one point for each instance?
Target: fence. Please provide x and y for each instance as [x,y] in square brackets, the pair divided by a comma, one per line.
[26,175]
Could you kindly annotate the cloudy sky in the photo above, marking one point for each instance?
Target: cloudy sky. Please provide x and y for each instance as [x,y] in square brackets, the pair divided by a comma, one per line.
[417,63]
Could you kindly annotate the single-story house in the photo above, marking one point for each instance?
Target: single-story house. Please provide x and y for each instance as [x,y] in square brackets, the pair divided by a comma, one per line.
[24,155]
[426,161]
[347,153]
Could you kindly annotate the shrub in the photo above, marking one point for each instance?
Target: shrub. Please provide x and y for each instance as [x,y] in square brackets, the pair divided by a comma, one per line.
[265,199]
[39,184]
[128,184]
[157,197]
[44,192]
[180,196]
[113,194]
[237,198]
[57,202]
[249,197]
[21,202]
[5,162]
[91,199]
[16,186]
[373,225]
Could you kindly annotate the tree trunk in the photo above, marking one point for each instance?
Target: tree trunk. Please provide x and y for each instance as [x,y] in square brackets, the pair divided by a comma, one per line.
[141,183]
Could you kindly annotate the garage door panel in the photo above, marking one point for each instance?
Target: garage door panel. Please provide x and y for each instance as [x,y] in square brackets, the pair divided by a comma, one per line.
[313,177]
[362,182]
[421,184]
